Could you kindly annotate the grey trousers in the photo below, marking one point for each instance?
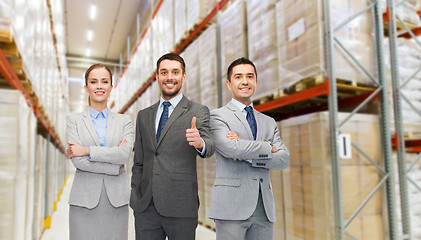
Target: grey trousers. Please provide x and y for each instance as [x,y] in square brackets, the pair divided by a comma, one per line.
[257,227]
[150,225]
[104,222]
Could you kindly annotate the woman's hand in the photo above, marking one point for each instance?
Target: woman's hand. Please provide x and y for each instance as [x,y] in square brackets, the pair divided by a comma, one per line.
[122,142]
[76,150]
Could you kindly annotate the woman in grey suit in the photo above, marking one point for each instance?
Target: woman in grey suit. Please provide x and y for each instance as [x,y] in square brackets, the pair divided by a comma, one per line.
[100,143]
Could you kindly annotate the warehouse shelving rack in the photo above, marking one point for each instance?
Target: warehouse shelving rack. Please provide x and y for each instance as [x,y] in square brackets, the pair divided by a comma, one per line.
[16,79]
[402,145]
[329,89]
[9,74]
[386,170]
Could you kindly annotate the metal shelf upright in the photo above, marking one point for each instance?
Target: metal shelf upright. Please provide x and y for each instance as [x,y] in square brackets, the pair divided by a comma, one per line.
[387,180]
[398,96]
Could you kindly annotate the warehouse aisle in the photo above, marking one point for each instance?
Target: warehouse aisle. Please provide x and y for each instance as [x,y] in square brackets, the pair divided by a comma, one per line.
[60,221]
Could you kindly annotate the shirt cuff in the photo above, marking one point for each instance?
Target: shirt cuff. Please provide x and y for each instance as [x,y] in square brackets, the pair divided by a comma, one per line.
[89,155]
[202,153]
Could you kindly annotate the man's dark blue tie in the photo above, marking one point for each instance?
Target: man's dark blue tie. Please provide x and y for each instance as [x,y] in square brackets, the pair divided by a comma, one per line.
[163,119]
[251,120]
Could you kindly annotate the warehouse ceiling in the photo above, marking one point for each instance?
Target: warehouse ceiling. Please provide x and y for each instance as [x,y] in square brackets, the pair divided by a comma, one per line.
[98,31]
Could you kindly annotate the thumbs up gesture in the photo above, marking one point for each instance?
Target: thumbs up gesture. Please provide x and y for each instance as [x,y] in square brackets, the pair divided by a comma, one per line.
[193,136]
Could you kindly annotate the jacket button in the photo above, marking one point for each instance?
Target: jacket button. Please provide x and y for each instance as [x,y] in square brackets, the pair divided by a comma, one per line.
[156,153]
[261,180]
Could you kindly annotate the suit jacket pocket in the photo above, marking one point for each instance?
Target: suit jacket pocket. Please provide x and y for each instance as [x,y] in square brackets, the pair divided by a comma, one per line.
[183,177]
[232,182]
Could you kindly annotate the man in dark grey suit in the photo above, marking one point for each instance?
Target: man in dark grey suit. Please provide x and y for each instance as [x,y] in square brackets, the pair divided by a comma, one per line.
[169,136]
[247,145]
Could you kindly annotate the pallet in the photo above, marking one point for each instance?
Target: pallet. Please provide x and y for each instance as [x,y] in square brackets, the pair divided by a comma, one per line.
[345,88]
[190,31]
[6,36]
[411,130]
[10,49]
[207,226]
[400,28]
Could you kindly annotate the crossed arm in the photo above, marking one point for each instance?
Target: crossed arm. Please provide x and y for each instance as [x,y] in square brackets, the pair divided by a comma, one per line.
[106,160]
[270,153]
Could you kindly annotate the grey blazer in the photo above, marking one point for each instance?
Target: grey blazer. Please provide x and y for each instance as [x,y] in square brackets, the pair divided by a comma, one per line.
[236,187]
[103,166]
[166,170]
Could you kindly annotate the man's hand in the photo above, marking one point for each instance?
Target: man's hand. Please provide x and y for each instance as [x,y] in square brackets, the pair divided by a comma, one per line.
[121,144]
[76,150]
[232,136]
[274,149]
[193,136]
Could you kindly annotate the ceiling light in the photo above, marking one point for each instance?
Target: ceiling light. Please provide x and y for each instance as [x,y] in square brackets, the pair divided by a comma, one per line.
[88,52]
[93,12]
[89,35]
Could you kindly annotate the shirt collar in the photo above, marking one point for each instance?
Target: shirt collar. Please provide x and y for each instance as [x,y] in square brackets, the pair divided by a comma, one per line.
[174,101]
[94,113]
[240,105]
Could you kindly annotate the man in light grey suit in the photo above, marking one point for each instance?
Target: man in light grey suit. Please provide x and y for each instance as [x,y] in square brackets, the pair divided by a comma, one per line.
[247,145]
[169,136]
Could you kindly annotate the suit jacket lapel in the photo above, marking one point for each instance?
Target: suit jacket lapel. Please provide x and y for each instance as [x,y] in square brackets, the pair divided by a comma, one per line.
[90,126]
[178,110]
[111,125]
[240,115]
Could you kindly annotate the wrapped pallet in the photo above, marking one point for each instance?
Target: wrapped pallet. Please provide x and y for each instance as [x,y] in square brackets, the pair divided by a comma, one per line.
[180,20]
[155,92]
[307,183]
[16,162]
[201,188]
[197,10]
[163,30]
[209,179]
[407,11]
[39,185]
[262,47]
[208,68]
[278,194]
[300,38]
[409,61]
[233,40]
[191,87]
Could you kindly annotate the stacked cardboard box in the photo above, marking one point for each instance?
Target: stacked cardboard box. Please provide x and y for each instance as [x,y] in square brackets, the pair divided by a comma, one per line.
[191,87]
[197,10]
[278,194]
[208,67]
[209,179]
[262,48]
[409,60]
[233,40]
[307,183]
[180,20]
[17,158]
[163,30]
[301,51]
[201,188]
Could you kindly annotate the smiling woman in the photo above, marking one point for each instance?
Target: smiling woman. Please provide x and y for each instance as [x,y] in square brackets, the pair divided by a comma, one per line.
[100,143]
[98,84]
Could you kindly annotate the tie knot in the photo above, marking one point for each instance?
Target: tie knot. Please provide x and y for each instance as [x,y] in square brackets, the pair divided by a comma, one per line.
[249,109]
[166,104]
